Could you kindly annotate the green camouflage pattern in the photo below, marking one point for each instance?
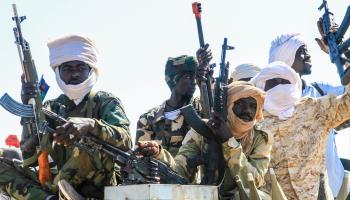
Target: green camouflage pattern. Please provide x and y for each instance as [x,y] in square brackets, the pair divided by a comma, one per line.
[153,125]
[178,66]
[237,163]
[88,174]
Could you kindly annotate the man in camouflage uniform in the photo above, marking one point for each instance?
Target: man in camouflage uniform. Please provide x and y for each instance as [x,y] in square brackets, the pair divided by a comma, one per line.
[100,114]
[245,146]
[300,127]
[164,123]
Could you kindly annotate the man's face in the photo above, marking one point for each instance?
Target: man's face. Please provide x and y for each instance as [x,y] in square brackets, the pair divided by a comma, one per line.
[271,83]
[302,62]
[245,108]
[74,72]
[186,85]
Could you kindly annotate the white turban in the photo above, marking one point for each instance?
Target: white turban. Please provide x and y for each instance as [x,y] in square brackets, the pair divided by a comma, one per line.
[73,47]
[279,100]
[284,48]
[244,71]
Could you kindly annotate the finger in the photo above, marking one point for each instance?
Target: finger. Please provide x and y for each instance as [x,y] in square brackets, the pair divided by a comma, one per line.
[227,64]
[320,27]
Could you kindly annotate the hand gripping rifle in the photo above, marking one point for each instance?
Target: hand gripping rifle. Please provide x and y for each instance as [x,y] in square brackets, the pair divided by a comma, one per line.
[213,160]
[135,169]
[206,98]
[336,47]
[31,113]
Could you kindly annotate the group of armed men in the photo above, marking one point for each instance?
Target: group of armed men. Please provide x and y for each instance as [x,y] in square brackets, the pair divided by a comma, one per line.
[275,120]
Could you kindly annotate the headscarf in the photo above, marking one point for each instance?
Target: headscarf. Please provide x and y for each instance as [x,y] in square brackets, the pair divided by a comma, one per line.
[280,100]
[240,129]
[176,67]
[244,71]
[72,48]
[284,48]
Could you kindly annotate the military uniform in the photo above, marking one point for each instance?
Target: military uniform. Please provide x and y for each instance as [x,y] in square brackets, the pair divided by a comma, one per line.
[88,174]
[298,153]
[256,161]
[153,125]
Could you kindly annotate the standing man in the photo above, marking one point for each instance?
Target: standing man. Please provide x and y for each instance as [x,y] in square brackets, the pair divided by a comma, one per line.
[164,123]
[300,128]
[73,58]
[292,50]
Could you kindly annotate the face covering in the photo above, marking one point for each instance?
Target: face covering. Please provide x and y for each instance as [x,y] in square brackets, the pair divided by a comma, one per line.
[280,100]
[76,93]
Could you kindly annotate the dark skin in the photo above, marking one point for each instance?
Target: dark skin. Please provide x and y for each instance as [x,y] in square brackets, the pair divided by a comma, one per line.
[73,73]
[182,92]
[244,108]
[302,61]
[271,83]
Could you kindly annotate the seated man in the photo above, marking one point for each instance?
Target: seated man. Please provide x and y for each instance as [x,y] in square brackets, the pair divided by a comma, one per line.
[300,127]
[245,146]
[73,58]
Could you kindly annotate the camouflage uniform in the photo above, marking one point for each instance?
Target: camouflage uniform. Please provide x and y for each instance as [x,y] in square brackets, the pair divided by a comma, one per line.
[153,125]
[86,173]
[169,133]
[298,153]
[256,161]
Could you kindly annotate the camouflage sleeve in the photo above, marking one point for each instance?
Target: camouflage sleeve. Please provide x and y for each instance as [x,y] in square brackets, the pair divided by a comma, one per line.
[256,163]
[334,109]
[113,125]
[191,148]
[143,130]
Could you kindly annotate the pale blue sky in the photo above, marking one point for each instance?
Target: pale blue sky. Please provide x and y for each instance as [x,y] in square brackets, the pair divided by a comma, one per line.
[136,37]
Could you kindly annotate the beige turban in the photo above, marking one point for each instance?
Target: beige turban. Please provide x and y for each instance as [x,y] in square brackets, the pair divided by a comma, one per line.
[244,71]
[284,48]
[73,47]
[240,129]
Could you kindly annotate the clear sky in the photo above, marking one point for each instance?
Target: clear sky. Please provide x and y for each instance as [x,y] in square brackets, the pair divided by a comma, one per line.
[135,38]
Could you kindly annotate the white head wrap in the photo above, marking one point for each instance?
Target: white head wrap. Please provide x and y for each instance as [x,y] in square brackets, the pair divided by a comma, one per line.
[73,47]
[244,71]
[284,48]
[279,100]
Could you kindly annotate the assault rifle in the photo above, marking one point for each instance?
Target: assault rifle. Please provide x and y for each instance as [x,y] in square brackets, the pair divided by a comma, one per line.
[334,39]
[135,169]
[31,113]
[214,160]
[206,93]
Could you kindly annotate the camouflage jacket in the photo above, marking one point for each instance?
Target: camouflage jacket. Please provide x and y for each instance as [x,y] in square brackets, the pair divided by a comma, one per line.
[152,125]
[111,125]
[298,153]
[256,162]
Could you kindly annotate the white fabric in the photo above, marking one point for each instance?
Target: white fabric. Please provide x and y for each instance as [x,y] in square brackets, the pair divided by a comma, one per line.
[244,71]
[172,115]
[76,93]
[279,100]
[73,47]
[284,48]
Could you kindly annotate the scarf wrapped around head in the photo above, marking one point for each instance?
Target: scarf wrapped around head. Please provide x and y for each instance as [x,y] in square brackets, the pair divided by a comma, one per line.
[178,66]
[280,100]
[73,47]
[240,129]
[244,71]
[284,48]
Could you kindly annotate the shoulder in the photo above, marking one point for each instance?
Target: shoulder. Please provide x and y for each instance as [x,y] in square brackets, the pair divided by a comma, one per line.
[149,115]
[263,134]
[102,96]
[60,99]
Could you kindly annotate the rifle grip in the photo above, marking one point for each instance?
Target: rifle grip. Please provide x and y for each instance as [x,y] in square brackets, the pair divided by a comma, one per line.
[44,168]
